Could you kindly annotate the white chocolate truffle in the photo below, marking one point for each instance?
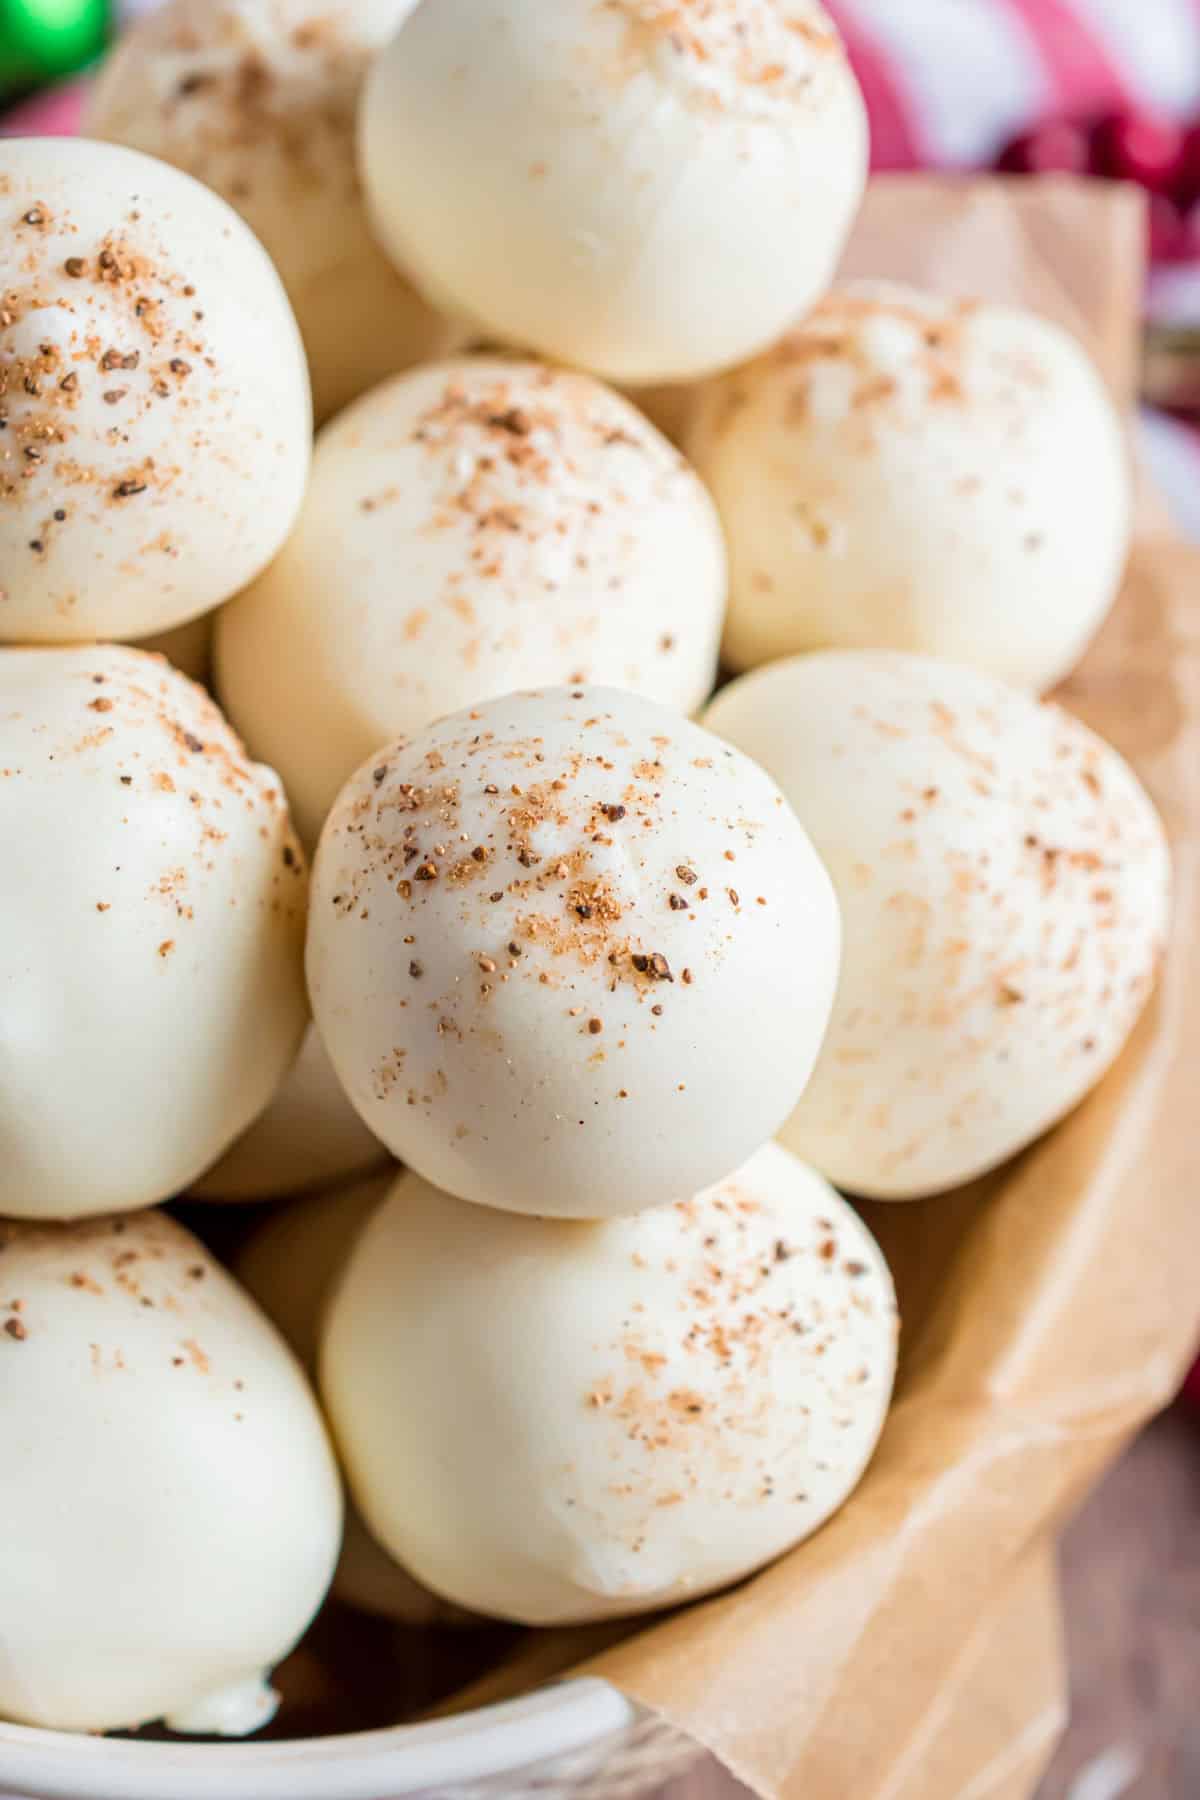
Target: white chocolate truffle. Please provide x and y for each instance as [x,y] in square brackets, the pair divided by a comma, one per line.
[648,191]
[569,954]
[257,99]
[154,394]
[157,894]
[905,472]
[309,1137]
[290,1266]
[471,529]
[555,1423]
[1004,883]
[293,1258]
[187,648]
[171,1503]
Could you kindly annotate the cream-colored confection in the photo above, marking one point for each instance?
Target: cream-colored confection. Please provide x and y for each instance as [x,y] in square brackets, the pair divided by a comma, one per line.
[257,99]
[1004,884]
[471,528]
[153,394]
[170,1500]
[290,1265]
[647,190]
[187,648]
[569,953]
[913,473]
[153,903]
[308,1138]
[556,1422]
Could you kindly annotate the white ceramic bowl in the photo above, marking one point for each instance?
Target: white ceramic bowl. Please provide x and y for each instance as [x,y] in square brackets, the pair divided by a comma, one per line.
[567,1740]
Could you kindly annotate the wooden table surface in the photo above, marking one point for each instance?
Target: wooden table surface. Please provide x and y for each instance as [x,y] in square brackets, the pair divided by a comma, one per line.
[1131,1584]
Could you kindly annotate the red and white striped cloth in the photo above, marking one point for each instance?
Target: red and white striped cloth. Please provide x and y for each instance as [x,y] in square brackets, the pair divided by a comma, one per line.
[949,82]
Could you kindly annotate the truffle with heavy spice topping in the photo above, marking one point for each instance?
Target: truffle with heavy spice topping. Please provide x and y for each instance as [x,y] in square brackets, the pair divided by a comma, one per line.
[166,1460]
[569,953]
[556,1422]
[906,472]
[153,905]
[651,189]
[471,528]
[1004,884]
[154,403]
[257,99]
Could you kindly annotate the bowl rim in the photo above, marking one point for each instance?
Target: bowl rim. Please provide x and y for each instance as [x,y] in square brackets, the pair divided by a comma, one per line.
[397,1760]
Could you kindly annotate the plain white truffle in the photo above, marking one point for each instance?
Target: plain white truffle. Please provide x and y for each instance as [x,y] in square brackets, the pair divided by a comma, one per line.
[157,896]
[555,1422]
[471,528]
[153,393]
[911,473]
[171,1505]
[648,191]
[569,954]
[258,99]
[290,1265]
[309,1137]
[1004,884]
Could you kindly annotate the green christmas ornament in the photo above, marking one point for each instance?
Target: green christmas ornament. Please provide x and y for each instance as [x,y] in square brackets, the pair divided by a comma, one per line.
[43,40]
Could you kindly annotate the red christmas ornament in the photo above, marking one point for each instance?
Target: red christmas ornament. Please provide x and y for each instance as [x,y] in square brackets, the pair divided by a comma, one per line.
[1189,167]
[1056,148]
[1189,249]
[1168,230]
[1138,147]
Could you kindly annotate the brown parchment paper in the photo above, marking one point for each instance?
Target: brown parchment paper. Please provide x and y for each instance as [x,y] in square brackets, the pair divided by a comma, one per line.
[996,1720]
[991,1727]
[1049,1310]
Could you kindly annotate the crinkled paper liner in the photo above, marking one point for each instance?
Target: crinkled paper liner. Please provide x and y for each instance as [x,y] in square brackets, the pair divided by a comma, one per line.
[1049,1310]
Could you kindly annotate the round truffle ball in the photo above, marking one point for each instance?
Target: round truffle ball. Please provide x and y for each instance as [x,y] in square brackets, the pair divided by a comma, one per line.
[257,99]
[905,472]
[649,191]
[470,529]
[157,897]
[171,1504]
[153,394]
[290,1266]
[555,1422]
[309,1137]
[569,954]
[1004,885]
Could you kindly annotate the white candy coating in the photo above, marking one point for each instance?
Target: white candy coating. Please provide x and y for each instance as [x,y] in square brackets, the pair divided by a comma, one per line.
[646,191]
[309,1137]
[1004,884]
[557,1422]
[156,893]
[257,99]
[154,391]
[911,473]
[470,529]
[290,1265]
[292,1259]
[170,1500]
[569,954]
